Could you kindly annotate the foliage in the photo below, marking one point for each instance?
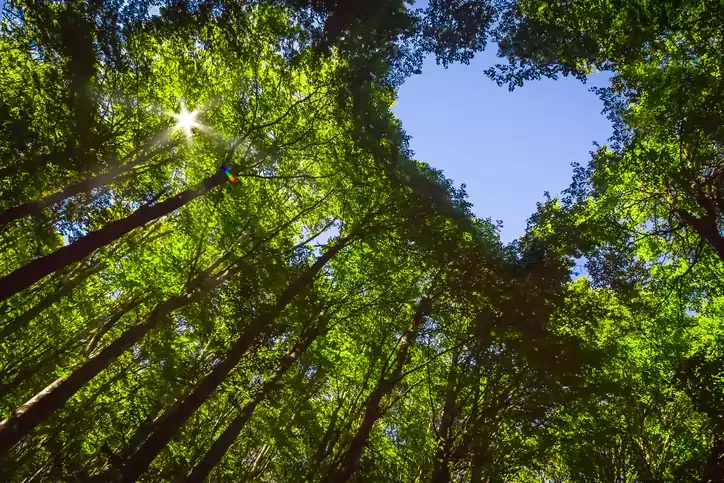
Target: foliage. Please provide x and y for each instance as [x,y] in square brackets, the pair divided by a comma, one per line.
[338,313]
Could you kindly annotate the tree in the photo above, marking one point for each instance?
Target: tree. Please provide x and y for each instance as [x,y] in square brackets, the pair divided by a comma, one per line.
[226,439]
[334,311]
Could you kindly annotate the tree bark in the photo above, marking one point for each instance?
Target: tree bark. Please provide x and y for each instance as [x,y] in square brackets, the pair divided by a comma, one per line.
[54,396]
[706,228]
[257,468]
[36,206]
[28,370]
[177,415]
[222,444]
[34,271]
[373,410]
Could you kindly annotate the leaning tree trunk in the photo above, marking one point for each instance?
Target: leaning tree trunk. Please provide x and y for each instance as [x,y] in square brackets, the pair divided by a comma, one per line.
[222,444]
[373,409]
[25,318]
[327,443]
[177,415]
[36,206]
[53,397]
[110,322]
[32,272]
[29,370]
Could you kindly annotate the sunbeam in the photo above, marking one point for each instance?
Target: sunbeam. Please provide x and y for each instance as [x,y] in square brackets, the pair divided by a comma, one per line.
[186,120]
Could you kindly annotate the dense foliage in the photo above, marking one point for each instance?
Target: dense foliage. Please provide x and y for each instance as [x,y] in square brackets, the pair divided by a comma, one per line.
[221,261]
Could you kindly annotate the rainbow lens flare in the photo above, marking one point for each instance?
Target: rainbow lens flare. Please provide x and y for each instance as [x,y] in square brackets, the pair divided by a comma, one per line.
[228,174]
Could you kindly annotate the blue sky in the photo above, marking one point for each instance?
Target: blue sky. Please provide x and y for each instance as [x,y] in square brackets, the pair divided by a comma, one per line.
[507,147]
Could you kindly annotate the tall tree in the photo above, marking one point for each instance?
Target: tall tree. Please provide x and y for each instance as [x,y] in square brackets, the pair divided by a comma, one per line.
[373,404]
[179,413]
[221,445]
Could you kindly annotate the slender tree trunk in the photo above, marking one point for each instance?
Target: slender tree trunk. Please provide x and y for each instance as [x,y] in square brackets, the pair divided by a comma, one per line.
[222,444]
[36,206]
[175,417]
[29,369]
[26,373]
[256,467]
[34,271]
[476,474]
[479,440]
[442,470]
[715,469]
[373,409]
[324,449]
[24,319]
[482,424]
[53,397]
[110,322]
[146,427]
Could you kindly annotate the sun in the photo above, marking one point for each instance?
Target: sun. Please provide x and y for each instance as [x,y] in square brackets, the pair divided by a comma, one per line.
[186,120]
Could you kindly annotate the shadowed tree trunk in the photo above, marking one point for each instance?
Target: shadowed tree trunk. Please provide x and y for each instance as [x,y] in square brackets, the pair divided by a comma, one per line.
[707,229]
[442,470]
[34,271]
[222,444]
[327,443]
[478,438]
[36,206]
[373,409]
[54,396]
[65,289]
[177,415]
[715,469]
[111,321]
[29,369]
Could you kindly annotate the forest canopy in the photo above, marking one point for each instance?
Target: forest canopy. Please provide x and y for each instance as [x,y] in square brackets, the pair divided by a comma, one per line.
[221,261]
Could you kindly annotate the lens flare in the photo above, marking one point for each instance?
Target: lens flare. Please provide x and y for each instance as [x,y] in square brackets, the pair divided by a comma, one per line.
[228,174]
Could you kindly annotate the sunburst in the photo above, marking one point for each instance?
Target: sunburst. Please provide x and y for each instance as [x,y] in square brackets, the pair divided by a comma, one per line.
[186,120]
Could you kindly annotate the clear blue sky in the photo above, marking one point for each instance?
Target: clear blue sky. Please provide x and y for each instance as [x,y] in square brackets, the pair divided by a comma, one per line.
[507,147]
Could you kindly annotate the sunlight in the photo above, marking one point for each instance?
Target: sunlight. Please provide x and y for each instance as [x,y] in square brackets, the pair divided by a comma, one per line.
[186,120]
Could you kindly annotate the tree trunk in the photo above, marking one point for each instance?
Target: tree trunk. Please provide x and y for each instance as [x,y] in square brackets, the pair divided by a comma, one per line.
[373,409]
[54,396]
[34,271]
[177,415]
[442,470]
[110,322]
[707,229]
[36,206]
[480,442]
[65,289]
[227,438]
[29,369]
[324,449]
[257,468]
[715,469]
